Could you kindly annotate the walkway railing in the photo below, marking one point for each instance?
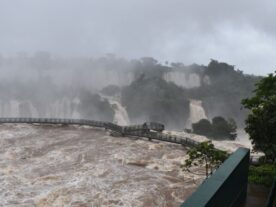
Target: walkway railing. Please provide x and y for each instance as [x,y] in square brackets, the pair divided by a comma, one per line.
[272,195]
[150,130]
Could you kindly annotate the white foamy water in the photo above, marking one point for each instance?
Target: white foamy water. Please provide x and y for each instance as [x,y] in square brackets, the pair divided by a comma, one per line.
[98,78]
[62,108]
[53,166]
[197,112]
[230,146]
[10,108]
[121,115]
[15,108]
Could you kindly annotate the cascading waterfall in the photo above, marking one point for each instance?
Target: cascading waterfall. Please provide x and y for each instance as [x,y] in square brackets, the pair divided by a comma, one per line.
[182,79]
[27,109]
[10,108]
[197,112]
[63,108]
[17,108]
[121,115]
[94,78]
[74,110]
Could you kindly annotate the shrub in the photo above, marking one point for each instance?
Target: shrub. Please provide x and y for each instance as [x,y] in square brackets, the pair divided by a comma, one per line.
[218,129]
[262,175]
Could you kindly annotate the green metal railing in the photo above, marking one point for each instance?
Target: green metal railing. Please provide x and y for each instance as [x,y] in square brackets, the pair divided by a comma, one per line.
[272,195]
[227,186]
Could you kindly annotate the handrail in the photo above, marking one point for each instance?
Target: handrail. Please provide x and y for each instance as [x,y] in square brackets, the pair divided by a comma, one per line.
[149,130]
[271,198]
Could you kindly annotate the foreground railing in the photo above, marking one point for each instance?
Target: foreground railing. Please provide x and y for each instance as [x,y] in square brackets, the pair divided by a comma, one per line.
[272,195]
[226,187]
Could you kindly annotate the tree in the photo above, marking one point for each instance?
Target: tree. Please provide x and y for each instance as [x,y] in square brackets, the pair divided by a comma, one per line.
[261,121]
[223,128]
[203,127]
[92,106]
[232,128]
[205,154]
[154,99]
[219,128]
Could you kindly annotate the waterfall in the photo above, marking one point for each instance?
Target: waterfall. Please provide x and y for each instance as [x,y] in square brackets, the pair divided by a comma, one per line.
[10,108]
[100,78]
[75,105]
[197,112]
[62,108]
[26,109]
[183,79]
[121,115]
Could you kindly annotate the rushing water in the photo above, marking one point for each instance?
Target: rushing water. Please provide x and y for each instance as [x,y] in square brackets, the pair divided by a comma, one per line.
[120,112]
[197,112]
[121,115]
[62,108]
[56,166]
[183,79]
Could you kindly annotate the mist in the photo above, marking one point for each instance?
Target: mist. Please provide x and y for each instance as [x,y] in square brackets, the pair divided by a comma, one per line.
[133,61]
[175,31]
[125,91]
[140,83]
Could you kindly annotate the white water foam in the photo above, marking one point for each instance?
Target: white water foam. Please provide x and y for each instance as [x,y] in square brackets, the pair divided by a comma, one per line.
[121,115]
[55,166]
[197,112]
[182,79]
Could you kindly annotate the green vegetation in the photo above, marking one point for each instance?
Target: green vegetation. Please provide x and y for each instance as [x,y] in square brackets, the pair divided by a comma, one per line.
[223,128]
[261,127]
[154,99]
[93,107]
[262,175]
[221,95]
[203,127]
[205,154]
[218,129]
[261,122]
[151,98]
[218,85]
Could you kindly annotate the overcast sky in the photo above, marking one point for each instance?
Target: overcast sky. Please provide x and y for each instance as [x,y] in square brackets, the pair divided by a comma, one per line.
[241,33]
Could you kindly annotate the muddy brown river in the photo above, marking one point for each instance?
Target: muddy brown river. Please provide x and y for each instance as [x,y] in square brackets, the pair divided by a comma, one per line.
[60,166]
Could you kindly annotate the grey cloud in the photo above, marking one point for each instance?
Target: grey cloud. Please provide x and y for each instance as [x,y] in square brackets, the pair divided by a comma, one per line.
[242,33]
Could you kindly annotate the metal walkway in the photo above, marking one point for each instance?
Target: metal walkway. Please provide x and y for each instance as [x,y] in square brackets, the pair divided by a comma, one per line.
[149,130]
